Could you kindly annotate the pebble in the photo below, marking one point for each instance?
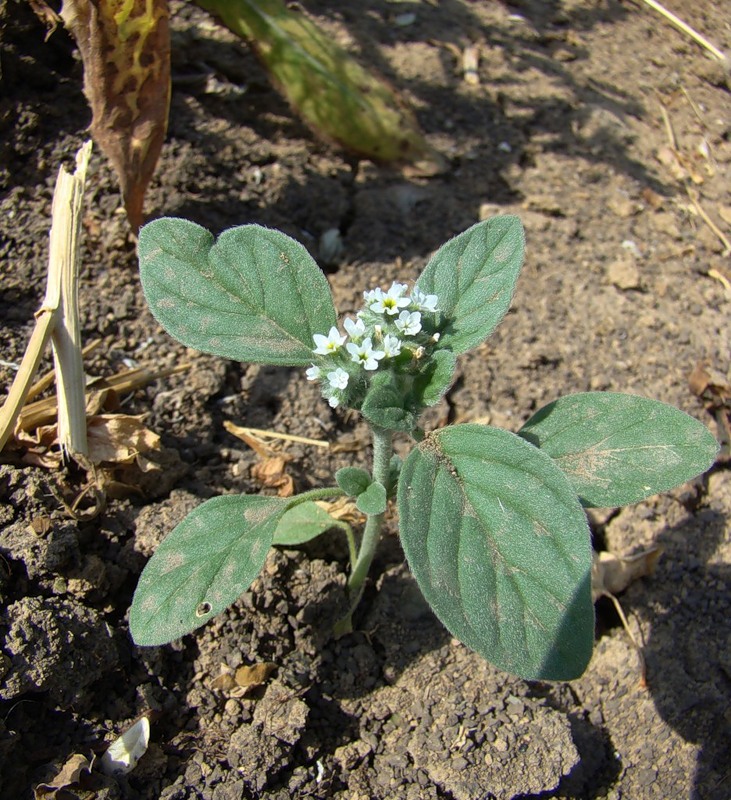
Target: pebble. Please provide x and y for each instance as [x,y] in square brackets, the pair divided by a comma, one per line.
[646,776]
[624,274]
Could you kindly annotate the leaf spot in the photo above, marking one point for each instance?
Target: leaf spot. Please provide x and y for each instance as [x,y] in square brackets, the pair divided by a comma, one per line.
[172,562]
[203,609]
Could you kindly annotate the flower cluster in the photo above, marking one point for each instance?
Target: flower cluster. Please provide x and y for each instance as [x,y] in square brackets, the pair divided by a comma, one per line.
[392,330]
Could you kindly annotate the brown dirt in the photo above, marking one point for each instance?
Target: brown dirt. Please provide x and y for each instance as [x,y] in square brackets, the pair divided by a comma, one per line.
[565,129]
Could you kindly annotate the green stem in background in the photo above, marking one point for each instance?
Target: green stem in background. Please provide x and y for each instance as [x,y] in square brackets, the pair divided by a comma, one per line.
[352,544]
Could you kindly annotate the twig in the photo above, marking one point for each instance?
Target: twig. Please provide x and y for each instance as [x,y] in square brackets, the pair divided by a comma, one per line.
[24,377]
[43,412]
[692,195]
[669,130]
[711,224]
[286,436]
[701,40]
[43,383]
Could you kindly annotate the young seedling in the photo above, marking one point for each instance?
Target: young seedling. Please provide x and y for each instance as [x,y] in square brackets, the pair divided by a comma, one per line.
[492,522]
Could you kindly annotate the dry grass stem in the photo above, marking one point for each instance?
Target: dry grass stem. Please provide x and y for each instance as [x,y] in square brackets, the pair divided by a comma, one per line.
[683,26]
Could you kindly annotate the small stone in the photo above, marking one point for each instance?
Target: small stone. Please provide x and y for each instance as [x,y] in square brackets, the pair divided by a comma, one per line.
[232,707]
[350,755]
[331,247]
[646,776]
[622,206]
[564,54]
[624,274]
[665,222]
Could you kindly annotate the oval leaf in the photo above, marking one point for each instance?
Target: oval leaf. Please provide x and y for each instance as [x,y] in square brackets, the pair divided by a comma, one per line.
[254,295]
[386,407]
[353,480]
[435,378]
[202,566]
[619,448]
[373,500]
[474,276]
[500,547]
[303,523]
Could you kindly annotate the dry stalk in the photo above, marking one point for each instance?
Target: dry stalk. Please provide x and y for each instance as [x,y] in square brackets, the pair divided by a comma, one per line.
[58,319]
[683,26]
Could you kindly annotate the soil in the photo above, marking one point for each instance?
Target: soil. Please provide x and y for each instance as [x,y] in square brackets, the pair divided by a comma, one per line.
[623,289]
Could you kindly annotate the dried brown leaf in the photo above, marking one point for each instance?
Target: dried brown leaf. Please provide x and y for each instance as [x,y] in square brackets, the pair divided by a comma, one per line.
[343,509]
[224,682]
[271,472]
[125,48]
[705,380]
[120,439]
[69,775]
[612,574]
[255,675]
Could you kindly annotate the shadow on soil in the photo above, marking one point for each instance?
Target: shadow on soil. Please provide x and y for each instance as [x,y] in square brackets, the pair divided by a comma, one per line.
[587,119]
[687,654]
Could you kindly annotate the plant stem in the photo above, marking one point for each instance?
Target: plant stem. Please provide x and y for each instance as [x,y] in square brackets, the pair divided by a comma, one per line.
[317,494]
[382,451]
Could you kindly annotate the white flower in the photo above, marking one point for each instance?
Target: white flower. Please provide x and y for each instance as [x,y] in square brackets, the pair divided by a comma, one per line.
[391,345]
[409,322]
[371,296]
[390,302]
[330,343]
[364,354]
[334,402]
[354,328]
[313,373]
[338,379]
[423,301]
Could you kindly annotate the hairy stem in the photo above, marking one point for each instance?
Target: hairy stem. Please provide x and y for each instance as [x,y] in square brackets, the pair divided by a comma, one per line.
[316,494]
[382,451]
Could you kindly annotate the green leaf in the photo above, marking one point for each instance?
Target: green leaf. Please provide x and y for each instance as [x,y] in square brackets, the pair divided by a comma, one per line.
[253,295]
[303,523]
[373,500]
[619,448]
[435,377]
[353,480]
[474,276]
[326,85]
[384,406]
[500,546]
[202,566]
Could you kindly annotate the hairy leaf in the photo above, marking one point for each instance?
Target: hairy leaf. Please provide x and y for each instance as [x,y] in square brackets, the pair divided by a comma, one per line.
[353,480]
[252,295]
[372,500]
[203,565]
[330,90]
[435,378]
[474,276]
[303,523]
[500,547]
[386,407]
[125,48]
[619,448]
